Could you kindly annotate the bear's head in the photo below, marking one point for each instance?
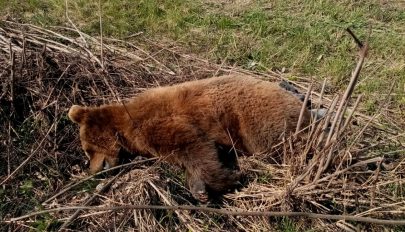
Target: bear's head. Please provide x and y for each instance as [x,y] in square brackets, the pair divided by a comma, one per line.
[97,135]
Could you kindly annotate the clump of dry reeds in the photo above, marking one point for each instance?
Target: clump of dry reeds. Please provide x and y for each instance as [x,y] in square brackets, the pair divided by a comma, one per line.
[328,175]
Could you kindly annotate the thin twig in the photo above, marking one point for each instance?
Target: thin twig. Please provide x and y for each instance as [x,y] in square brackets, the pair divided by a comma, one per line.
[101,34]
[74,26]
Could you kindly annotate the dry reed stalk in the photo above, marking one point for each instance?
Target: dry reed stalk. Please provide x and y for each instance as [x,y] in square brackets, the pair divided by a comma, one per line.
[101,34]
[303,108]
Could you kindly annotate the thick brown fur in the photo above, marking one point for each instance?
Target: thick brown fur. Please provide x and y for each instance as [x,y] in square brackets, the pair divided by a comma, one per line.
[183,123]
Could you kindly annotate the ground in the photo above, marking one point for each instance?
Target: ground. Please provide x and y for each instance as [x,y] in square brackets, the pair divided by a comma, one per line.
[303,38]
[168,42]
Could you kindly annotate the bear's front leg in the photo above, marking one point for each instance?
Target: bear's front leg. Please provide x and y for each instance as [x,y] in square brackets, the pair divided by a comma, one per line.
[196,186]
[206,173]
[181,142]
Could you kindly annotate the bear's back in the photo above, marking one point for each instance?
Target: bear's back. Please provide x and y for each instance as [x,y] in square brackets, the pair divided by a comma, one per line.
[262,111]
[256,113]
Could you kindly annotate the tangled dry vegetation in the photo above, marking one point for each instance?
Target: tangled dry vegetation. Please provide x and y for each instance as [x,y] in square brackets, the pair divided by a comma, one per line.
[333,171]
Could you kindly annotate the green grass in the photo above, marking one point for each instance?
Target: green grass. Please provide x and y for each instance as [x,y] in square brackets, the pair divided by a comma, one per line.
[287,225]
[307,38]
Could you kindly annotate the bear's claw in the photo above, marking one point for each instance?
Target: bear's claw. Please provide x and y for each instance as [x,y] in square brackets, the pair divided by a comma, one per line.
[201,196]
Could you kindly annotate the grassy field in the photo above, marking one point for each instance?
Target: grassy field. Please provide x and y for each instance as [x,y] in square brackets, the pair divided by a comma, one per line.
[303,40]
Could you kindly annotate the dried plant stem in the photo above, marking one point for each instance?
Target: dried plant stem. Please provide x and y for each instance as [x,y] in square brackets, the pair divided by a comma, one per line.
[9,146]
[360,133]
[11,86]
[349,117]
[57,46]
[24,55]
[348,92]
[318,106]
[218,211]
[101,34]
[71,22]
[303,108]
[367,212]
[321,137]
[327,120]
[374,186]
[342,106]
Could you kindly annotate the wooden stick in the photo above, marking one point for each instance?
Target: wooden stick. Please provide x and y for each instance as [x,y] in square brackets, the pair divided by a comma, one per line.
[218,211]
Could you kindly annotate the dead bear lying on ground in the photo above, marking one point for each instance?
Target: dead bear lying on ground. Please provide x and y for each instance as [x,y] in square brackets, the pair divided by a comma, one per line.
[185,123]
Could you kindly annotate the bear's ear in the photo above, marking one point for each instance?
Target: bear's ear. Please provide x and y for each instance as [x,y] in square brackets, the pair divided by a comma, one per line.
[77,113]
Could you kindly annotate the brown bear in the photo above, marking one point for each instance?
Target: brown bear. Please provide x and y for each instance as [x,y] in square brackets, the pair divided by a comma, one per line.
[185,123]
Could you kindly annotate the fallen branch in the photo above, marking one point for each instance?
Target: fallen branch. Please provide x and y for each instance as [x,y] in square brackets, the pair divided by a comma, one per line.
[217,211]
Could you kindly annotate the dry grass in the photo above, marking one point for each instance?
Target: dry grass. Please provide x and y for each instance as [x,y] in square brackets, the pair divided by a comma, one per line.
[355,169]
